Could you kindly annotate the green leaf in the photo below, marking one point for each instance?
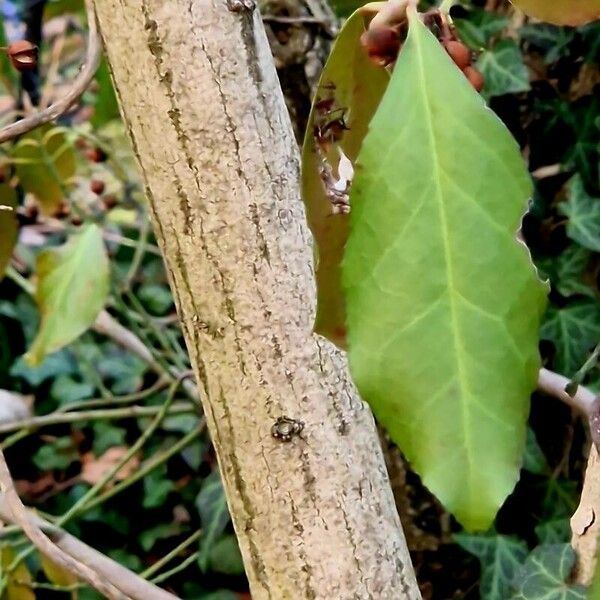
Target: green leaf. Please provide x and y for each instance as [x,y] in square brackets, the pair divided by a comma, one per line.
[157,487]
[58,454]
[45,162]
[9,227]
[503,69]
[500,557]
[479,27]
[560,499]
[225,556]
[441,345]
[554,531]
[66,389]
[568,270]
[106,107]
[55,365]
[214,515]
[583,212]
[8,75]
[551,40]
[561,12]
[353,86]
[544,574]
[574,330]
[73,284]
[344,8]
[534,460]
[162,531]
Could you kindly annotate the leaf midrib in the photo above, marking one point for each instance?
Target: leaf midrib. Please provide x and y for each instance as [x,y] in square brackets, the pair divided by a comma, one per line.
[437,170]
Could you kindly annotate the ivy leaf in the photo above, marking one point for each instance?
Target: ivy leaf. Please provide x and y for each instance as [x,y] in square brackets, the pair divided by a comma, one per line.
[551,40]
[73,284]
[561,12]
[534,460]
[225,556]
[570,268]
[9,226]
[443,350]
[574,330]
[214,515]
[503,69]
[554,531]
[44,160]
[500,556]
[479,27]
[352,86]
[583,212]
[544,574]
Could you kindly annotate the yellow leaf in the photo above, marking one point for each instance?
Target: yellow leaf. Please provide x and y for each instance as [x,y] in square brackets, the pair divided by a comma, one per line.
[561,12]
[57,574]
[15,590]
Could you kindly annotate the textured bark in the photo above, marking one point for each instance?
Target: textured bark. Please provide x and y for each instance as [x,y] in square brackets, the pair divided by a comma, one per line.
[315,516]
[585,523]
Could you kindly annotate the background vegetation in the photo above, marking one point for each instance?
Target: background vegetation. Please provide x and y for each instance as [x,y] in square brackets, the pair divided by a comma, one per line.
[543,82]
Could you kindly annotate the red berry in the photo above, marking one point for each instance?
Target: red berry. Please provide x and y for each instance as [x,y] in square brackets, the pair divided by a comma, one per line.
[382,44]
[23,55]
[109,201]
[459,53]
[475,78]
[96,155]
[97,186]
[77,221]
[62,211]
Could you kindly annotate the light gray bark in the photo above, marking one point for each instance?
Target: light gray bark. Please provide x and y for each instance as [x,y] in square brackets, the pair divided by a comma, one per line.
[315,517]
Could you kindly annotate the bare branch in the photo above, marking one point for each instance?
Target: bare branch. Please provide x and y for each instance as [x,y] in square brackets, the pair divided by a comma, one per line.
[107,325]
[554,384]
[45,545]
[134,586]
[80,84]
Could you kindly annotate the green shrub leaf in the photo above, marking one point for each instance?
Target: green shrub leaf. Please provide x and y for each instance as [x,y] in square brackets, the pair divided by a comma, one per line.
[350,87]
[440,344]
[503,69]
[45,161]
[583,212]
[214,515]
[500,556]
[544,573]
[479,27]
[72,287]
[574,330]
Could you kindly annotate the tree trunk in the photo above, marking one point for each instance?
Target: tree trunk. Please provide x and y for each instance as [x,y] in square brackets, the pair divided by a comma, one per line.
[315,516]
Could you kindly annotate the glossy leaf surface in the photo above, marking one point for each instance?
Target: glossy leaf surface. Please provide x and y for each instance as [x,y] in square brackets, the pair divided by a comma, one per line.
[443,302]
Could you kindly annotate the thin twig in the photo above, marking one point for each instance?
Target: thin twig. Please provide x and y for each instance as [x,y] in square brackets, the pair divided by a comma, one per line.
[55,418]
[180,567]
[159,564]
[131,584]
[555,385]
[45,545]
[80,84]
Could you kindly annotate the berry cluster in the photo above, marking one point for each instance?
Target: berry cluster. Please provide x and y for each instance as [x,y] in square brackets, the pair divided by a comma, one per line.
[462,57]
[383,39]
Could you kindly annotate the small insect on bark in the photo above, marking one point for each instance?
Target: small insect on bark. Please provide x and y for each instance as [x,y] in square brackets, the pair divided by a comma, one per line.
[285,429]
